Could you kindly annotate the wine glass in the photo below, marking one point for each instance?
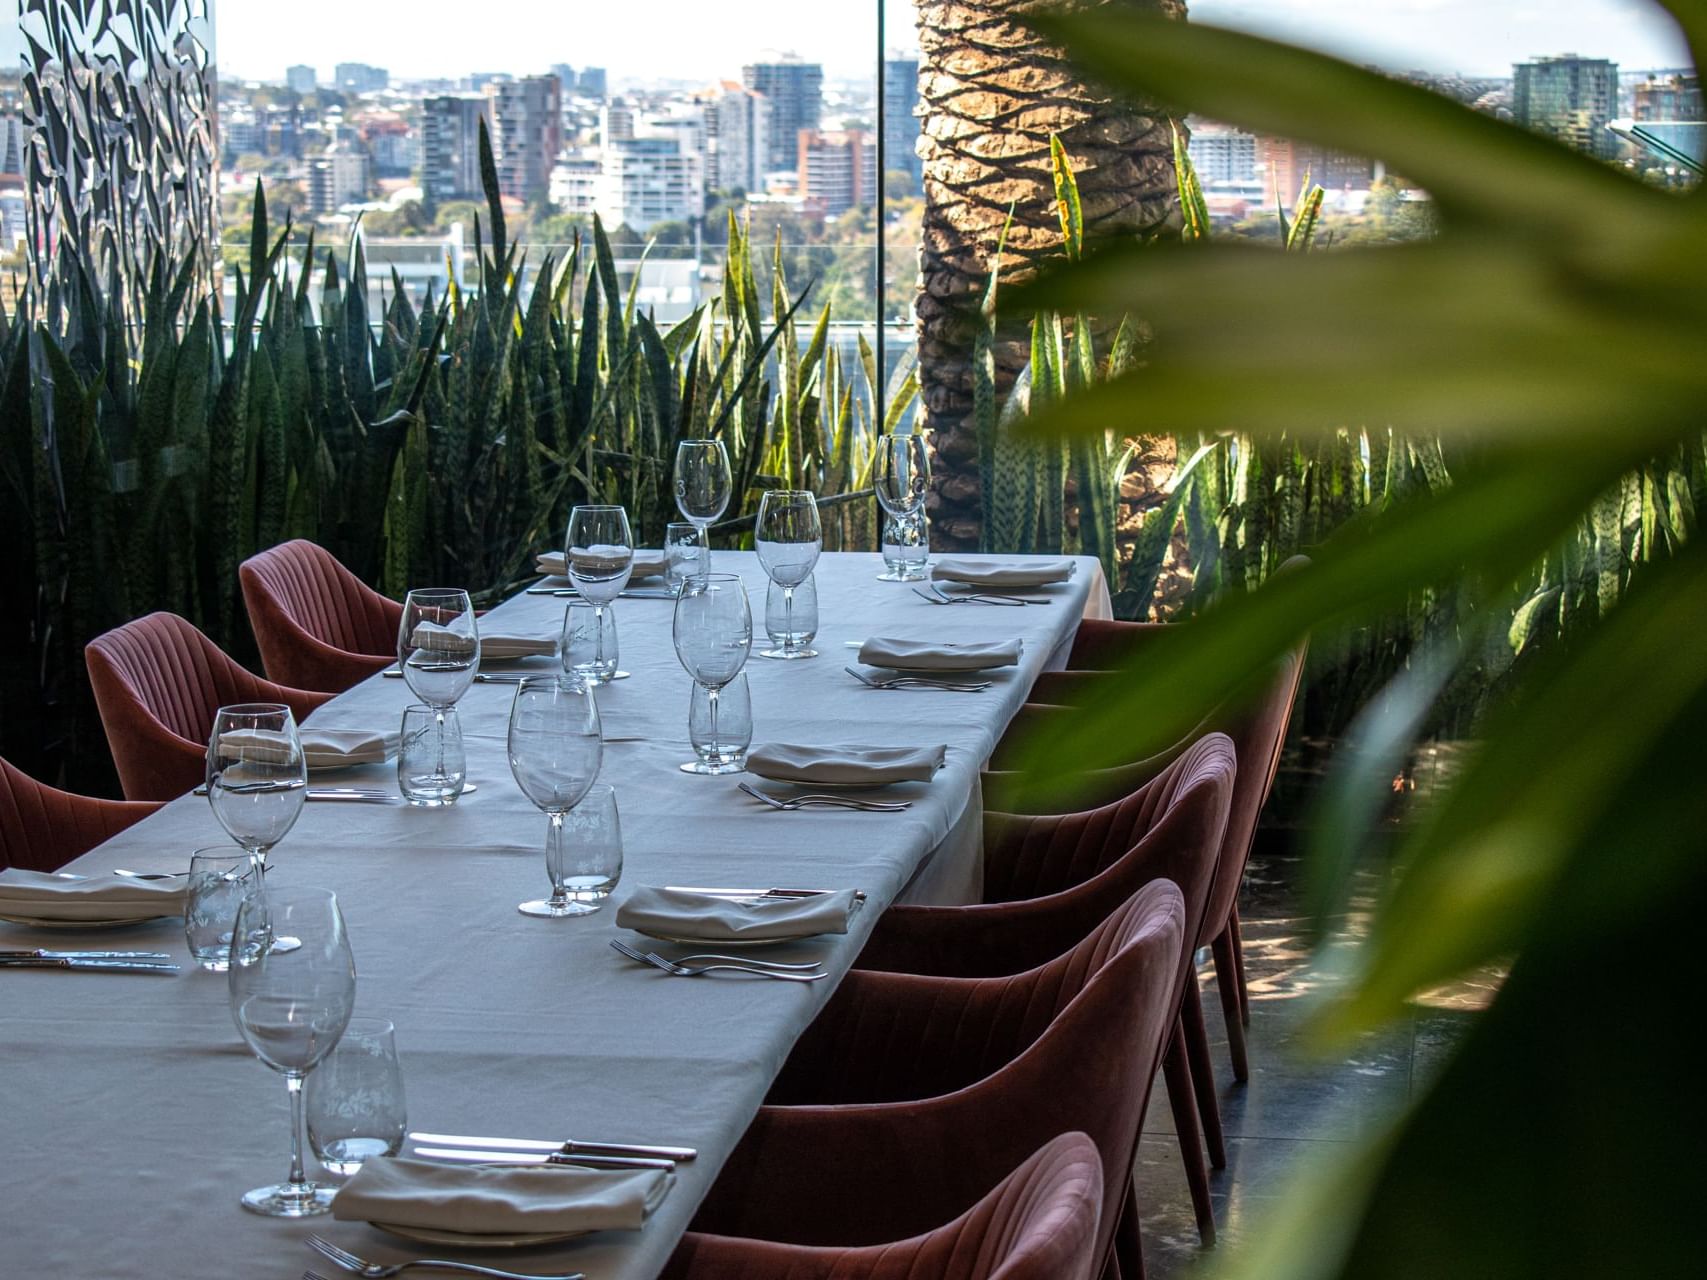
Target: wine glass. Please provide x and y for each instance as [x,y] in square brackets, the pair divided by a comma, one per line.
[713,631]
[901,473]
[290,1008]
[703,488]
[257,777]
[789,539]
[555,748]
[599,556]
[438,651]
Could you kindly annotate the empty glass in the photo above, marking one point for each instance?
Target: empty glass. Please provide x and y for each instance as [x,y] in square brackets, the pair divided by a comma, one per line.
[901,474]
[713,631]
[555,748]
[704,486]
[290,1007]
[589,647]
[591,849]
[257,778]
[791,617]
[438,651]
[432,765]
[684,550]
[219,881]
[906,548]
[723,744]
[600,558]
[789,539]
[355,1100]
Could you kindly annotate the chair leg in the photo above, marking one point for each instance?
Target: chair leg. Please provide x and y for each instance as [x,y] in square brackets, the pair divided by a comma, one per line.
[1227,982]
[1239,966]
[1202,1073]
[1128,1242]
[1176,1071]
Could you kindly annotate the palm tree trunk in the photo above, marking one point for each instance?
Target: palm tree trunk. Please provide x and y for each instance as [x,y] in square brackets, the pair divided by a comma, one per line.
[993,92]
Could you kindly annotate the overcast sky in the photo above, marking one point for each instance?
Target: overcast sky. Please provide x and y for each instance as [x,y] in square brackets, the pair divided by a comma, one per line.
[696,39]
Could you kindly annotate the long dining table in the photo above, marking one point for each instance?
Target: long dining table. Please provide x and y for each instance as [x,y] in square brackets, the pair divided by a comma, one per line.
[132,1116]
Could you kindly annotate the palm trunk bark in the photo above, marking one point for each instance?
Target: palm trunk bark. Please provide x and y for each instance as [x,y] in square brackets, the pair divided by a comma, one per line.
[993,92]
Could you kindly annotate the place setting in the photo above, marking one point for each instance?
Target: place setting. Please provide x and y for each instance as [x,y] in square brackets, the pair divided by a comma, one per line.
[991,581]
[712,919]
[828,776]
[901,663]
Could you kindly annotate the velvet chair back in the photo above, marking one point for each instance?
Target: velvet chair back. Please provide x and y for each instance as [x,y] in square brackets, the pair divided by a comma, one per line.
[318,626]
[43,828]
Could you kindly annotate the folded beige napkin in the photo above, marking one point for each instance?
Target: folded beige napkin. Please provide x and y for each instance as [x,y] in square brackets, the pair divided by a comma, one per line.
[978,572]
[931,655]
[674,913]
[321,748]
[501,1199]
[647,564]
[93,897]
[499,647]
[433,639]
[784,762]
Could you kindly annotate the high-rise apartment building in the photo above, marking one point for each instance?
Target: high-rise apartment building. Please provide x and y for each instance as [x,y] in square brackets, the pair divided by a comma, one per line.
[1569,98]
[450,146]
[838,171]
[529,134]
[358,77]
[591,82]
[739,122]
[338,176]
[796,93]
[300,79]
[616,122]
[13,136]
[645,181]
[1221,153]
[1671,98]
[565,77]
[1285,165]
[900,120]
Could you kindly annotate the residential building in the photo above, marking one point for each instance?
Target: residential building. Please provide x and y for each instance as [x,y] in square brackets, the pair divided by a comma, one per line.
[616,122]
[739,121]
[529,134]
[565,77]
[901,121]
[1285,165]
[13,135]
[340,175]
[1569,98]
[1675,97]
[575,184]
[450,146]
[591,82]
[796,93]
[358,77]
[300,79]
[644,181]
[1222,154]
[389,141]
[838,170]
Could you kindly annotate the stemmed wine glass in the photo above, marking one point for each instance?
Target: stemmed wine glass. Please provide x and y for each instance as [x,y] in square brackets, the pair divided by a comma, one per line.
[291,1006]
[438,651]
[703,488]
[789,539]
[713,630]
[901,473]
[257,776]
[599,555]
[556,747]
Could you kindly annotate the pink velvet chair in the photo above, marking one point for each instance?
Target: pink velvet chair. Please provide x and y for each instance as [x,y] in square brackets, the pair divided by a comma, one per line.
[1049,880]
[43,828]
[318,626]
[158,682]
[1039,1224]
[908,1096]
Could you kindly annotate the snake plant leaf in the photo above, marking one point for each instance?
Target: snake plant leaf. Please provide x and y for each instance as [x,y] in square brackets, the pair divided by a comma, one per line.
[494,196]
[1068,208]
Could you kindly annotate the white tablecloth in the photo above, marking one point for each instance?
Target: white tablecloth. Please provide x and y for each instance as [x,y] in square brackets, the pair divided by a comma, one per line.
[133,1115]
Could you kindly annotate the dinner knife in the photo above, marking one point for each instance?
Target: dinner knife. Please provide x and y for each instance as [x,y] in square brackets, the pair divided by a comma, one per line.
[468,1155]
[159,957]
[355,795]
[644,593]
[859,894]
[487,677]
[101,966]
[572,1146]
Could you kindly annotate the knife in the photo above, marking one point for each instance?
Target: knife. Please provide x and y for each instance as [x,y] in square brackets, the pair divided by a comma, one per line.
[102,966]
[159,957]
[470,1156]
[859,894]
[644,593]
[486,677]
[356,794]
[613,1150]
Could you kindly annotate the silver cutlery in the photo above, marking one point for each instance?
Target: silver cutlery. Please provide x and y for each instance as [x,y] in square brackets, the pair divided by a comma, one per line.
[937,595]
[859,894]
[778,965]
[378,1271]
[699,970]
[918,682]
[568,1147]
[825,802]
[357,795]
[644,593]
[77,962]
[480,677]
[159,957]
[469,1155]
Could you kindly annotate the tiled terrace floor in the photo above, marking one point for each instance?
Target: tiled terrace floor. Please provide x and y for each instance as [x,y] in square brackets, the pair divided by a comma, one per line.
[1293,1107]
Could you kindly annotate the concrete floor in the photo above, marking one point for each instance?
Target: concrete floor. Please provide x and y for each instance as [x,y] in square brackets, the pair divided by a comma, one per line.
[1294,1107]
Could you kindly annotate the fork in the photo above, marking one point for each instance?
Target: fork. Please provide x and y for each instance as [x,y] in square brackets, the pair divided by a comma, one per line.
[938,596]
[838,802]
[918,682]
[778,965]
[697,970]
[377,1271]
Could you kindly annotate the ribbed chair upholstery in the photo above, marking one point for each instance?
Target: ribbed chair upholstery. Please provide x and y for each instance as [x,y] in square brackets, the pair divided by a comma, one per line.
[1039,1224]
[1257,728]
[158,682]
[908,1096]
[318,626]
[43,828]
[1049,880]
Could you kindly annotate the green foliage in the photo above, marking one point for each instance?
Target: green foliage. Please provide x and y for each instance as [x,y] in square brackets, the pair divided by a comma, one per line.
[1549,337]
